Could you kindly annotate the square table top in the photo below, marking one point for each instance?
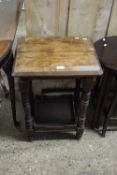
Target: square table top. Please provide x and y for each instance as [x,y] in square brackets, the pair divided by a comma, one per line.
[56,57]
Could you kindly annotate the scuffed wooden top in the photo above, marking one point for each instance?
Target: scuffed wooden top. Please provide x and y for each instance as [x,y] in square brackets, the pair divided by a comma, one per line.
[4,49]
[56,56]
[9,11]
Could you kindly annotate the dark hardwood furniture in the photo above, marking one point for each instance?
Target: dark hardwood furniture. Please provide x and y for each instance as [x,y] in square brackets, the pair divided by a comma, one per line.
[106,113]
[58,58]
[9,13]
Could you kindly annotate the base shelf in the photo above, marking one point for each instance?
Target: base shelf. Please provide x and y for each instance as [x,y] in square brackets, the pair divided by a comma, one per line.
[54,110]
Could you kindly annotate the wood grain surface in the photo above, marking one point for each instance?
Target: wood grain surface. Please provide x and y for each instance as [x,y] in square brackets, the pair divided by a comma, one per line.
[4,49]
[56,56]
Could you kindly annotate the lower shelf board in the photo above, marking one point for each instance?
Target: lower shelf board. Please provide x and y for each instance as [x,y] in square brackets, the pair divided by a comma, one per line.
[54,110]
[55,127]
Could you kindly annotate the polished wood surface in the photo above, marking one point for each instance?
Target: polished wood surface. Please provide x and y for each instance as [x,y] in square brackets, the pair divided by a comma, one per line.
[9,11]
[56,56]
[107,54]
[4,49]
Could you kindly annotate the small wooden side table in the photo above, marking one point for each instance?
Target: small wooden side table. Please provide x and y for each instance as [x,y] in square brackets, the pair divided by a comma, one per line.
[58,58]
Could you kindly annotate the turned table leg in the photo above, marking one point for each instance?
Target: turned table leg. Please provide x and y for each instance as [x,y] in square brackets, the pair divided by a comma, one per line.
[88,84]
[77,93]
[25,94]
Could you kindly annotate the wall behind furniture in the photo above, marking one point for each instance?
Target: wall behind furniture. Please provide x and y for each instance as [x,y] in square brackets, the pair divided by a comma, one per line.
[70,17]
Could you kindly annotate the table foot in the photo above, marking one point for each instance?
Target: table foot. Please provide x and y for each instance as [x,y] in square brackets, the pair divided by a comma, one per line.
[17,124]
[30,137]
[79,133]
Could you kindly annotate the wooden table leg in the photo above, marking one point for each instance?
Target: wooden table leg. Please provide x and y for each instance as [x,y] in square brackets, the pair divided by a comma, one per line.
[106,82]
[7,67]
[105,98]
[88,84]
[77,93]
[25,94]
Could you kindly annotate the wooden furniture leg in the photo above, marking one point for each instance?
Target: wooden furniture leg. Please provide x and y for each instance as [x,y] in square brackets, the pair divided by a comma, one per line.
[88,84]
[106,116]
[7,67]
[77,93]
[26,100]
[106,81]
[31,97]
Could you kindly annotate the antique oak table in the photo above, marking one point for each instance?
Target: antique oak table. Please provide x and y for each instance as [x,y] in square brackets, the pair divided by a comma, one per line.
[9,15]
[58,58]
